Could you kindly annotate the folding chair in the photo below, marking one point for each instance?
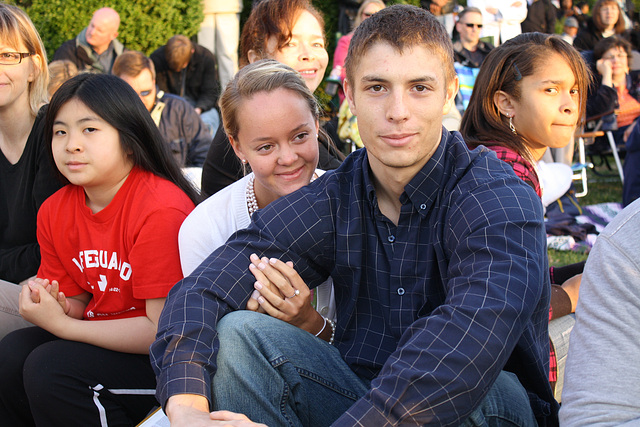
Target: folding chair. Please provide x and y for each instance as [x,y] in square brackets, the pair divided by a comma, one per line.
[587,136]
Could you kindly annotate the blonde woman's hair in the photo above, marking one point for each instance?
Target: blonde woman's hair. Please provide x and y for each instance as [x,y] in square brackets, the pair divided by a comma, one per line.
[265,75]
[362,7]
[60,71]
[16,28]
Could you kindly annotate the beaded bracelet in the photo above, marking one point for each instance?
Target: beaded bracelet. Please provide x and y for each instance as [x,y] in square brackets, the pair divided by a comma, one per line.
[333,330]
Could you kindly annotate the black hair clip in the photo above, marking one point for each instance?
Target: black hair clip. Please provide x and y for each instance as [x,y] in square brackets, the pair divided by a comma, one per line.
[517,72]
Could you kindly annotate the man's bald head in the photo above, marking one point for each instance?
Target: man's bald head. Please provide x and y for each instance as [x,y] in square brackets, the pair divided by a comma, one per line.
[102,29]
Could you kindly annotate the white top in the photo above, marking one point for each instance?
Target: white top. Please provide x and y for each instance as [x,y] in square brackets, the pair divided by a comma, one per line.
[213,221]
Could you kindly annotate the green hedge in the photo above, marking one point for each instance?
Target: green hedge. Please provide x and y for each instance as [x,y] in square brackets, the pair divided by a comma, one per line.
[145,24]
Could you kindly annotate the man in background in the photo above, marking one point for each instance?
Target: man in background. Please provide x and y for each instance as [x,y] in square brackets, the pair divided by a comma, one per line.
[188,70]
[178,122]
[96,48]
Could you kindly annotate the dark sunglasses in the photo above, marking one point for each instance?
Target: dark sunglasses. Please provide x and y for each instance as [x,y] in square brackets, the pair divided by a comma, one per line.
[469,25]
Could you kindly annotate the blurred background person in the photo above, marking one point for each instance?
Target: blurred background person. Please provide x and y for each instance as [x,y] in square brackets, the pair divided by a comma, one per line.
[183,130]
[220,33]
[188,70]
[501,18]
[96,47]
[368,8]
[291,32]
[570,29]
[606,21]
[59,72]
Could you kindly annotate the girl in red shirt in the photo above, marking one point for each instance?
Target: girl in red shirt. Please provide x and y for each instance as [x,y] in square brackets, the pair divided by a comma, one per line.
[109,244]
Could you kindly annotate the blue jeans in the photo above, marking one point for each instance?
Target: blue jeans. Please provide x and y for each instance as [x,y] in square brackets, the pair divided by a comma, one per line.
[280,375]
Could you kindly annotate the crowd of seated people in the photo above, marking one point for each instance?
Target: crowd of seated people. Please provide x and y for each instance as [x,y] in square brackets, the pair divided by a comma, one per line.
[406,283]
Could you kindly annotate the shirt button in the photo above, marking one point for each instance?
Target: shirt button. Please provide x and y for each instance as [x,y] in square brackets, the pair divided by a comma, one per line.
[324,311]
[391,238]
[423,206]
[400,291]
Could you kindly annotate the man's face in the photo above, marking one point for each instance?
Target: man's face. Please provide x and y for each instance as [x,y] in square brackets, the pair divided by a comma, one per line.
[469,27]
[144,85]
[571,31]
[399,99]
[101,30]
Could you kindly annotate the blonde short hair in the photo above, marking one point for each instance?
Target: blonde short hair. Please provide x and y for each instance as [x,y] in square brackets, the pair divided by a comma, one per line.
[265,75]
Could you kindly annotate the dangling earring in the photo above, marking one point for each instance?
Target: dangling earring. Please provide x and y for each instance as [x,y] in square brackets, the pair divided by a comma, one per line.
[244,161]
[511,126]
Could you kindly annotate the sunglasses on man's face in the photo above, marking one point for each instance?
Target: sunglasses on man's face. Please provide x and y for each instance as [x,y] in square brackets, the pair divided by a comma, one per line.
[470,25]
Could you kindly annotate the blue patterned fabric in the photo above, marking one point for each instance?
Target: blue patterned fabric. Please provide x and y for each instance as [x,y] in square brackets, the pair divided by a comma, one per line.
[431,310]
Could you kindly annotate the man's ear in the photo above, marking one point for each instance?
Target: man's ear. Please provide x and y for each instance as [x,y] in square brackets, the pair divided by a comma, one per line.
[504,103]
[252,56]
[348,93]
[452,90]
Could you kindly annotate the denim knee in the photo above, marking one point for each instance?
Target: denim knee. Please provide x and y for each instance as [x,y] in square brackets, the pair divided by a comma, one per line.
[506,404]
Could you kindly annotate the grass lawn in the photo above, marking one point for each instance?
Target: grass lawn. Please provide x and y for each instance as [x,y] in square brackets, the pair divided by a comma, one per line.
[604,186]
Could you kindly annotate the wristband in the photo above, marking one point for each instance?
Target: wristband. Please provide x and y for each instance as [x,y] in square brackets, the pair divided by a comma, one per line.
[323,326]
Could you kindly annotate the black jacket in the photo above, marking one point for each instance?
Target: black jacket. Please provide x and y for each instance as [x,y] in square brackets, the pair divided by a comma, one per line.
[541,17]
[588,37]
[462,55]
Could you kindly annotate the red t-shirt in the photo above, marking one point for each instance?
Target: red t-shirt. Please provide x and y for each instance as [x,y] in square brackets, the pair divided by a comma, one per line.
[124,254]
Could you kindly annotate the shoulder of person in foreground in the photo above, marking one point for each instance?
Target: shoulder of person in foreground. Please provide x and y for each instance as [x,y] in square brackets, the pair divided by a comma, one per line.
[606,335]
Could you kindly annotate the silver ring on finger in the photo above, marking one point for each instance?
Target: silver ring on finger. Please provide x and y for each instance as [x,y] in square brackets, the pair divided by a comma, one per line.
[295,294]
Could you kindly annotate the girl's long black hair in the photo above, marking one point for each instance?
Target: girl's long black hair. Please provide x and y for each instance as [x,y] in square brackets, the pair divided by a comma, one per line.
[118,104]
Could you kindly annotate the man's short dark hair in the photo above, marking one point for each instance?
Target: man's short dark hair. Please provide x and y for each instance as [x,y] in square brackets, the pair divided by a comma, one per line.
[402,27]
[468,10]
[131,63]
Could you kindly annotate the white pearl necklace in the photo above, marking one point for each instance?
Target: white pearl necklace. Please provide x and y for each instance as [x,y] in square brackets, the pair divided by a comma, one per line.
[252,203]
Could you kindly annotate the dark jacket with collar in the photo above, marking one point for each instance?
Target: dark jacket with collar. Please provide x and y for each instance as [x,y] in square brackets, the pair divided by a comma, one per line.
[82,55]
[180,125]
[462,55]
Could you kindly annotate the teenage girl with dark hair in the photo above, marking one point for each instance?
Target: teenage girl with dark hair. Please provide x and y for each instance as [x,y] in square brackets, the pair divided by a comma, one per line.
[529,96]
[109,244]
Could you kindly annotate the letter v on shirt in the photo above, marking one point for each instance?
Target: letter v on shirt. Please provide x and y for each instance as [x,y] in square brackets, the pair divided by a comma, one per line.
[93,258]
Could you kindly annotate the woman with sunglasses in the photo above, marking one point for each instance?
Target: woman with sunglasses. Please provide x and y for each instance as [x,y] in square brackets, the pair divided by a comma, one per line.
[26,175]
[367,8]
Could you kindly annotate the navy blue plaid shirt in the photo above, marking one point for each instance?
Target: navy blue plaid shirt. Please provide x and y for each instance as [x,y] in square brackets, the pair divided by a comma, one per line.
[431,309]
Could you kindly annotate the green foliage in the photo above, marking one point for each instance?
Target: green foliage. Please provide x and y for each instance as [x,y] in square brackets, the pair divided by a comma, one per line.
[145,24]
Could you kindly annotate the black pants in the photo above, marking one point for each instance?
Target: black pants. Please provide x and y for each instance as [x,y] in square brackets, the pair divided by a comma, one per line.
[47,381]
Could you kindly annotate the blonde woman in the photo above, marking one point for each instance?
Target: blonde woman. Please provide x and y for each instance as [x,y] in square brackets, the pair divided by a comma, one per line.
[26,175]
